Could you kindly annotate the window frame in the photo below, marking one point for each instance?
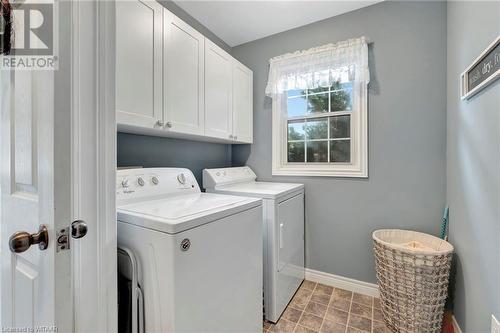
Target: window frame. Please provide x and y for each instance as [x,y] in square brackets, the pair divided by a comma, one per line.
[357,168]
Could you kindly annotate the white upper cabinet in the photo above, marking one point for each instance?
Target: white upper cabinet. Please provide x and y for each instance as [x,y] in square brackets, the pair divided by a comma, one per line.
[172,81]
[218,92]
[139,39]
[242,103]
[183,73]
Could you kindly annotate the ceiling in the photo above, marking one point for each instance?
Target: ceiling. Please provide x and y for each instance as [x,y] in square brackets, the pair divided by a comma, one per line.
[237,22]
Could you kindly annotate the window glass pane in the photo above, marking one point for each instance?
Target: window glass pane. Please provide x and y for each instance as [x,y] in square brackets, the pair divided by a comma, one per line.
[296,130]
[317,128]
[340,127]
[341,97]
[296,106]
[297,92]
[317,103]
[317,151]
[296,152]
[340,151]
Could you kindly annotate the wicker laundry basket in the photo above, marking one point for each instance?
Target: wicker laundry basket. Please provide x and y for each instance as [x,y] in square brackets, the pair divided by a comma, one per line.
[413,270]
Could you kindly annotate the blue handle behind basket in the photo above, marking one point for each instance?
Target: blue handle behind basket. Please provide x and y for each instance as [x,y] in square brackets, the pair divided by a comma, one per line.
[444,223]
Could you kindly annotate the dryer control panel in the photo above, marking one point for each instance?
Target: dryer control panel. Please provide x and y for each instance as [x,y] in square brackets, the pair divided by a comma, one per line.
[226,176]
[140,183]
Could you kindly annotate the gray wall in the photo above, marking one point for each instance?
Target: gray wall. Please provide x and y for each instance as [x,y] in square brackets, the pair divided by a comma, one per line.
[473,169]
[407,132]
[151,151]
[146,151]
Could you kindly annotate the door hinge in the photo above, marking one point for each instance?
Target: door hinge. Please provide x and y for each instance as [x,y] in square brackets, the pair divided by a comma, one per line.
[62,239]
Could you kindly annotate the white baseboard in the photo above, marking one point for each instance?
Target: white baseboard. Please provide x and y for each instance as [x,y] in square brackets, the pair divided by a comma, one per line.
[456,328]
[341,282]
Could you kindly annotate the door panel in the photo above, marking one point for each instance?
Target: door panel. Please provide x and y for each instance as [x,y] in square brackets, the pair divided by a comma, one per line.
[290,227]
[242,103]
[26,281]
[24,153]
[218,92]
[139,62]
[183,76]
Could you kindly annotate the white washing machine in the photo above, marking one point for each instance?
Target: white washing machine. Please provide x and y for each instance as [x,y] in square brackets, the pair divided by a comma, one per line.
[283,230]
[199,254]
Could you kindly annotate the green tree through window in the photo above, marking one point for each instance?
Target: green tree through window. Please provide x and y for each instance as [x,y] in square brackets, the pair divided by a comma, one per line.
[317,102]
[294,135]
[340,98]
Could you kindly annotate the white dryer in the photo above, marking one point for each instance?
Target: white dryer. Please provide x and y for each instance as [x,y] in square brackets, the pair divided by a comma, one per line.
[199,254]
[283,230]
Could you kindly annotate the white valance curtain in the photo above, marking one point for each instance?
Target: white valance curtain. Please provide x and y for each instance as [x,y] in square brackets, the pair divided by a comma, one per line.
[319,67]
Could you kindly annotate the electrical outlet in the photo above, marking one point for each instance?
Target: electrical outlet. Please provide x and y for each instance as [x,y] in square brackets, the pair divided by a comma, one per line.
[495,325]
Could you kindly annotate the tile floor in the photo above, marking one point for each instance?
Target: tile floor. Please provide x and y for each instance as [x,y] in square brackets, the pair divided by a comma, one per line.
[320,308]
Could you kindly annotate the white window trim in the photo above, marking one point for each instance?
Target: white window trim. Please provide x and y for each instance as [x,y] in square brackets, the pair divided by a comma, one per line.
[357,168]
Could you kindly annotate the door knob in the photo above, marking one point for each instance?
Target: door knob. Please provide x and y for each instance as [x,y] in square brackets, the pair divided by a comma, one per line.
[21,241]
[78,229]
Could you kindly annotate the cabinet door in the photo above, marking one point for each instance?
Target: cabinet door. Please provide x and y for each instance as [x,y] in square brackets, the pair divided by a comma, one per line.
[242,103]
[183,76]
[139,38]
[218,92]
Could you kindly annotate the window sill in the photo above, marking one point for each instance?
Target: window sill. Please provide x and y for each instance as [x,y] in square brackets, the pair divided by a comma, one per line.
[301,172]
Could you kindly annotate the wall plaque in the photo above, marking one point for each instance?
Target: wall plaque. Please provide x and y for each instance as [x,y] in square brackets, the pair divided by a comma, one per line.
[482,72]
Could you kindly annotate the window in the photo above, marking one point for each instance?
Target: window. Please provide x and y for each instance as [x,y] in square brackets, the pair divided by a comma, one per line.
[319,114]
[319,124]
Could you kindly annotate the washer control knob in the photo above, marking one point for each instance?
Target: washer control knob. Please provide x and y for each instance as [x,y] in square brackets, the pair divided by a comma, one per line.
[217,174]
[125,183]
[185,244]
[140,181]
[155,180]
[181,178]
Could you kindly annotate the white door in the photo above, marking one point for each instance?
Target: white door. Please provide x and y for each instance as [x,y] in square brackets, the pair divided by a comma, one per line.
[139,43]
[242,103]
[183,76]
[218,92]
[35,283]
[57,164]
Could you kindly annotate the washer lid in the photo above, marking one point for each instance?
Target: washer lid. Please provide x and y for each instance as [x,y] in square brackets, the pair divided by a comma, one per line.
[266,190]
[173,214]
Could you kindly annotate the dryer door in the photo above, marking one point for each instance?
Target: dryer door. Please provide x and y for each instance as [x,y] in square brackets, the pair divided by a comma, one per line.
[290,227]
